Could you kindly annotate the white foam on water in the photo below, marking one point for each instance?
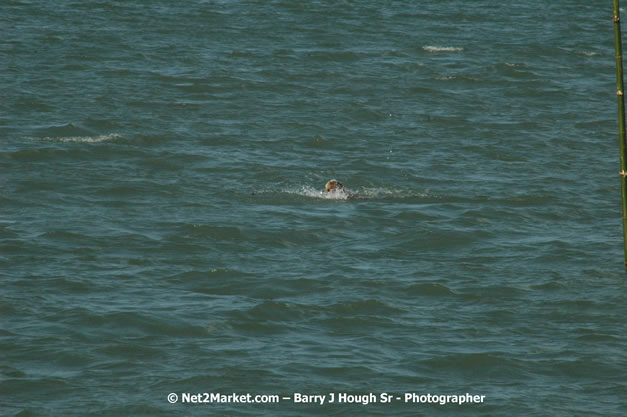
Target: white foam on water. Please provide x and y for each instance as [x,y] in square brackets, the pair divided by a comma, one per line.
[431,48]
[354,194]
[316,193]
[77,139]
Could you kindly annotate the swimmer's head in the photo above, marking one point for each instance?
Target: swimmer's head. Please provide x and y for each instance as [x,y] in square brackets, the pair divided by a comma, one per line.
[333,185]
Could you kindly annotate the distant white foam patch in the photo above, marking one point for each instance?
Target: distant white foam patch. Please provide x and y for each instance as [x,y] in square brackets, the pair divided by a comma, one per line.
[430,48]
[78,139]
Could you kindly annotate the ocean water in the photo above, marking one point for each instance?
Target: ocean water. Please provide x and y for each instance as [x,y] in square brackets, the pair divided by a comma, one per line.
[164,230]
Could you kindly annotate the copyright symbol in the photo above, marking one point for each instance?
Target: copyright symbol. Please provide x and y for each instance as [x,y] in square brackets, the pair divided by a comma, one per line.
[172,398]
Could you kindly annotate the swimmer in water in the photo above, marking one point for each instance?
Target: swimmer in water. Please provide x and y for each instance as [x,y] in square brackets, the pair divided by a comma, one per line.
[334,186]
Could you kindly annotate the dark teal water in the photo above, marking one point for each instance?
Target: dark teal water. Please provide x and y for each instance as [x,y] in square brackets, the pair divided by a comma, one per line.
[163,229]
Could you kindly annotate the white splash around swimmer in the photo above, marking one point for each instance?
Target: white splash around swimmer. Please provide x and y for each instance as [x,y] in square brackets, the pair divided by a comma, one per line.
[354,194]
[316,193]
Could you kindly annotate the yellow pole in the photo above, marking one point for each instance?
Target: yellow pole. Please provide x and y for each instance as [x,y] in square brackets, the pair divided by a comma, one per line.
[618,48]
